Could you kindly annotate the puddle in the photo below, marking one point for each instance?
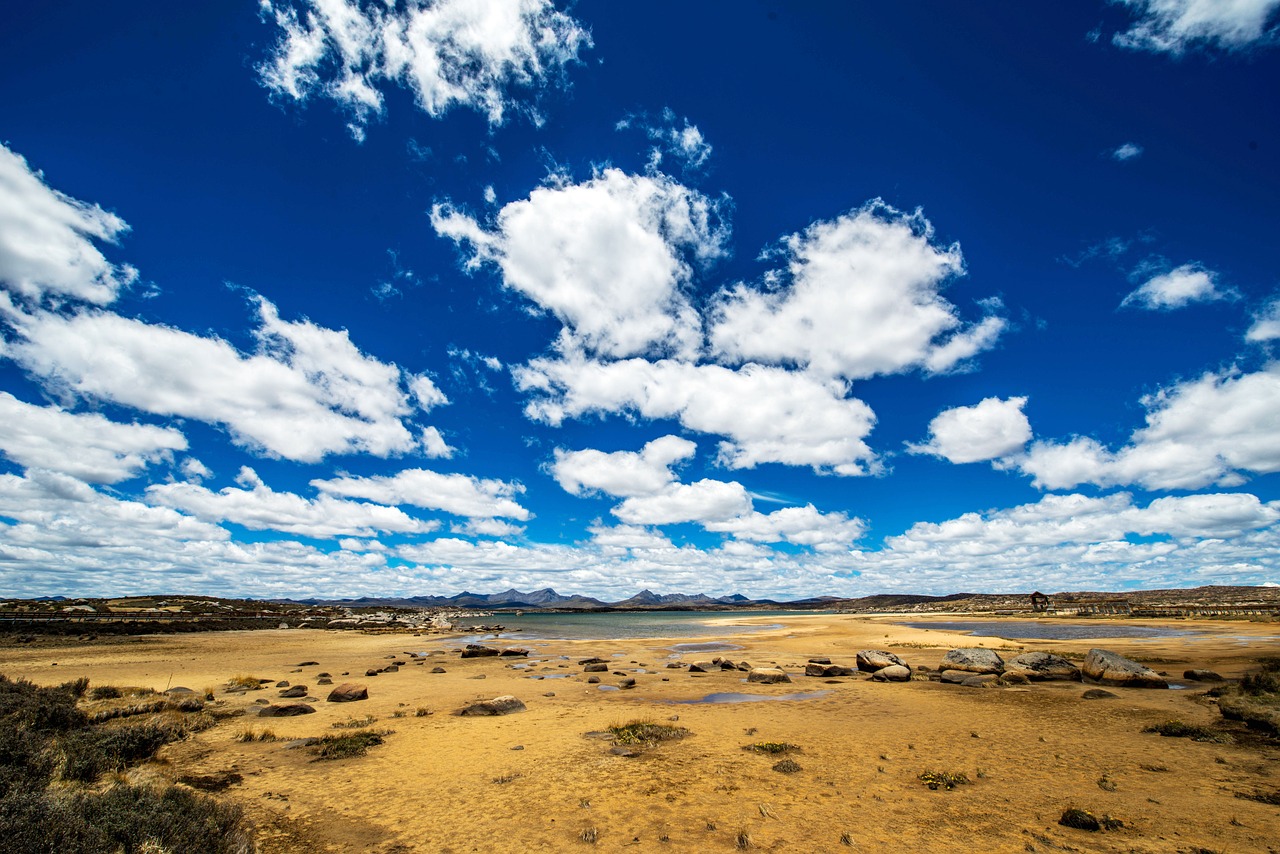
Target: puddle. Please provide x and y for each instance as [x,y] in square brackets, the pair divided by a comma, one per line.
[608,688]
[750,698]
[550,676]
[708,646]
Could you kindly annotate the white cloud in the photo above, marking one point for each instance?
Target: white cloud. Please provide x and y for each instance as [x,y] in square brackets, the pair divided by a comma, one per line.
[629,537]
[1177,288]
[768,414]
[988,430]
[862,297]
[1200,432]
[683,142]
[611,258]
[458,494]
[703,501]
[1128,151]
[261,508]
[87,446]
[803,526]
[309,392]
[47,239]
[487,528]
[434,445]
[1266,323]
[194,470]
[471,53]
[1174,26]
[621,473]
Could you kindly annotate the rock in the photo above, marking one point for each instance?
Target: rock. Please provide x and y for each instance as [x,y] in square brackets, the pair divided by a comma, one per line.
[438,670]
[954,677]
[391,668]
[981,680]
[324,680]
[515,652]
[1098,694]
[820,660]
[294,691]
[627,683]
[504,705]
[283,683]
[475,650]
[372,671]
[285,710]
[593,660]
[892,673]
[1196,676]
[1014,677]
[596,667]
[767,676]
[179,691]
[744,666]
[593,680]
[704,667]
[1111,669]
[725,664]
[871,660]
[308,664]
[813,668]
[1038,666]
[324,674]
[974,659]
[348,692]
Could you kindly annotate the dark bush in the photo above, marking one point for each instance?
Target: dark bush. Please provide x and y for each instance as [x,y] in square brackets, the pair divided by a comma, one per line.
[177,819]
[91,752]
[105,692]
[37,708]
[35,821]
[25,764]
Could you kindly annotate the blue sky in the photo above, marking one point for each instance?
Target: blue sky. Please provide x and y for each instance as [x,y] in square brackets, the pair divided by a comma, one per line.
[328,297]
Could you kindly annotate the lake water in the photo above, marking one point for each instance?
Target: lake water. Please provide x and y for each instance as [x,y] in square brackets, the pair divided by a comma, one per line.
[1055,630]
[632,624]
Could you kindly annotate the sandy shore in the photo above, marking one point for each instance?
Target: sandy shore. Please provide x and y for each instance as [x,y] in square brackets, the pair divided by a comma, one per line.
[533,782]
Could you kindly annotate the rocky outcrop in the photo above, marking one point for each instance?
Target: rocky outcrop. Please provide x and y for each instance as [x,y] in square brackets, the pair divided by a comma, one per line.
[767,675]
[475,650]
[871,660]
[1202,676]
[504,705]
[285,710]
[893,673]
[704,667]
[1108,668]
[348,692]
[1042,666]
[973,660]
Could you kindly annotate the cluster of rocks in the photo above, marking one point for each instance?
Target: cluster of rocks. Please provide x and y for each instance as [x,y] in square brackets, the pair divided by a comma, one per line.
[475,650]
[978,667]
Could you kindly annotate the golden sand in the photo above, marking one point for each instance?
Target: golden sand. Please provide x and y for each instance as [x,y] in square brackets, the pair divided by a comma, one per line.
[533,781]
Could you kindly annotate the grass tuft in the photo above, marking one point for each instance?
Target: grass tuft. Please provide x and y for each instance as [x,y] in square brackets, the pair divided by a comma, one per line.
[347,745]
[943,779]
[646,733]
[1179,729]
[772,747]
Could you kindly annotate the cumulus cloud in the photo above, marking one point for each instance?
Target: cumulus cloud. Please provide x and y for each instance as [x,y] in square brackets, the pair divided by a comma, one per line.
[469,53]
[1128,151]
[307,393]
[1266,323]
[1211,430]
[703,501]
[47,240]
[458,494]
[610,257]
[1175,26]
[803,526]
[260,508]
[628,537]
[1179,287]
[87,446]
[989,430]
[861,296]
[767,414]
[621,473]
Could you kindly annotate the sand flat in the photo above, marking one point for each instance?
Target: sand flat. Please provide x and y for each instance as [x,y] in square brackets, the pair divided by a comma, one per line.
[443,783]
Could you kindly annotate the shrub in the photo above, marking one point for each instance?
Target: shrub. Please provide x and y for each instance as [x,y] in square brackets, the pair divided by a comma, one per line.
[646,732]
[91,752]
[37,708]
[25,765]
[348,745]
[772,747]
[105,692]
[177,819]
[787,766]
[943,779]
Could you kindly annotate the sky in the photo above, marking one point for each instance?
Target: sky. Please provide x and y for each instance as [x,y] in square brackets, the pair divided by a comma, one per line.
[350,297]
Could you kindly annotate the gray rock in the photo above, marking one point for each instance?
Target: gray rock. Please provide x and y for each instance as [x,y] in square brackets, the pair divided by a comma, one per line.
[704,667]
[1038,666]
[1201,676]
[595,667]
[594,660]
[593,680]
[283,683]
[348,692]
[438,669]
[892,673]
[324,680]
[294,691]
[820,660]
[767,675]
[871,660]
[285,710]
[504,705]
[973,660]
[1014,677]
[954,677]
[981,680]
[627,683]
[828,670]
[1108,668]
[515,652]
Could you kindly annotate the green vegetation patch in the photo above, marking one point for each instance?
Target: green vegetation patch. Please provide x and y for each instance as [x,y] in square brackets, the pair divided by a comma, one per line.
[772,747]
[646,733]
[943,779]
[348,745]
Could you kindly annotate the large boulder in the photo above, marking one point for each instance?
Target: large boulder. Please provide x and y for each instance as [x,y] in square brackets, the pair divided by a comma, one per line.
[767,675]
[1108,668]
[828,670]
[893,673]
[504,705]
[475,650]
[1039,666]
[285,710]
[871,660]
[348,692]
[974,659]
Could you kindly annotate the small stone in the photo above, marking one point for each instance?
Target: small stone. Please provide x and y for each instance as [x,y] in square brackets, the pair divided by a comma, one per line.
[504,705]
[768,675]
[1098,694]
[438,670]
